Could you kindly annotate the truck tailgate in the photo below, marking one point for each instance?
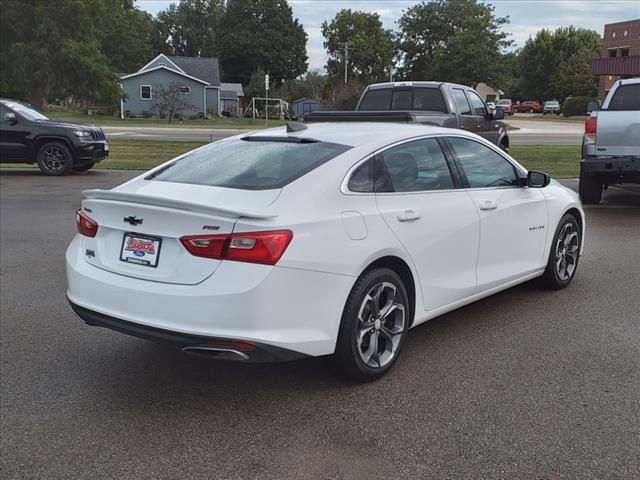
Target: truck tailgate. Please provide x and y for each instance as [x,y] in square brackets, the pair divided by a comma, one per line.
[618,133]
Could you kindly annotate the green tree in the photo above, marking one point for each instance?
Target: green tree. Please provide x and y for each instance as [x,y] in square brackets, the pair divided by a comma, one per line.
[370,47]
[261,34]
[451,40]
[190,28]
[556,64]
[52,50]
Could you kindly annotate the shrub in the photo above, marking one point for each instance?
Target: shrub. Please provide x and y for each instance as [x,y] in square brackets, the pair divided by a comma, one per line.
[147,114]
[576,106]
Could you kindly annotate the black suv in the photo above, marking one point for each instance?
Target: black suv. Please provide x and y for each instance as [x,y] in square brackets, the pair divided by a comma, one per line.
[28,136]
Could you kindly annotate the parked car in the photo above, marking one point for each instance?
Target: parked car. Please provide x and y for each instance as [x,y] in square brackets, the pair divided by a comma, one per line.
[551,107]
[530,106]
[333,239]
[428,103]
[506,105]
[28,136]
[611,142]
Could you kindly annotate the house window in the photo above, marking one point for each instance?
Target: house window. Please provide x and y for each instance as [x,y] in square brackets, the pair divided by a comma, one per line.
[184,90]
[145,92]
[624,52]
[613,52]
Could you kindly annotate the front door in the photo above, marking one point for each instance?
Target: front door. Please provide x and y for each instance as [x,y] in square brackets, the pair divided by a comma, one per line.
[435,221]
[467,118]
[485,126]
[513,218]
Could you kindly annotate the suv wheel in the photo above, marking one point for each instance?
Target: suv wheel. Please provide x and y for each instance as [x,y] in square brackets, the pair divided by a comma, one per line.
[54,158]
[374,325]
[564,255]
[590,189]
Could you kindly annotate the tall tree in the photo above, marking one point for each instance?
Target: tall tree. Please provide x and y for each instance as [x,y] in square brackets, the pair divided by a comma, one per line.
[190,28]
[556,64]
[454,40]
[52,50]
[261,34]
[369,47]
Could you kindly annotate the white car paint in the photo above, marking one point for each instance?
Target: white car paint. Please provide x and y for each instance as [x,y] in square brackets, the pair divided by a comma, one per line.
[457,250]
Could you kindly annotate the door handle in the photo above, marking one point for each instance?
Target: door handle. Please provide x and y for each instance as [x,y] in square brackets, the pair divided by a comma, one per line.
[488,205]
[408,216]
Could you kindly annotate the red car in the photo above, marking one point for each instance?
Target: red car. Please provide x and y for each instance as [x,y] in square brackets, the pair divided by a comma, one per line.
[530,106]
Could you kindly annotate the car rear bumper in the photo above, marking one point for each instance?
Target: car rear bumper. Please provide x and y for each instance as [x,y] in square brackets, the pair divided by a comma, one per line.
[613,168]
[287,308]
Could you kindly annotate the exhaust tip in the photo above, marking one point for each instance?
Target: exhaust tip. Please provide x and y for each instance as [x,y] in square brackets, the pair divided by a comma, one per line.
[219,353]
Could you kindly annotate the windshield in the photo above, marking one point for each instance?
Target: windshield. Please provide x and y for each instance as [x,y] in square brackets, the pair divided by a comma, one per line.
[552,104]
[504,102]
[27,112]
[250,163]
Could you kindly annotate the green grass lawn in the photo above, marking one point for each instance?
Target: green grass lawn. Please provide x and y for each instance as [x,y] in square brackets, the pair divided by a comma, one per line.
[547,118]
[560,161]
[110,121]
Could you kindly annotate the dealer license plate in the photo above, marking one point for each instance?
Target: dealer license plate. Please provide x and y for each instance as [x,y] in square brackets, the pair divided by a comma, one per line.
[140,249]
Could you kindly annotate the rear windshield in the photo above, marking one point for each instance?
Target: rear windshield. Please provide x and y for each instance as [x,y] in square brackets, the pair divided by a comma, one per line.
[251,163]
[425,99]
[627,97]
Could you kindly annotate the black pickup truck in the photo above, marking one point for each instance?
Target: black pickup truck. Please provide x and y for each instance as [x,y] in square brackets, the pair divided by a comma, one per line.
[428,103]
[28,136]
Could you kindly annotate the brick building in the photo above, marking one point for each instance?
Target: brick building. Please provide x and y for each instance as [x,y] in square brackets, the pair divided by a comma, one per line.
[620,54]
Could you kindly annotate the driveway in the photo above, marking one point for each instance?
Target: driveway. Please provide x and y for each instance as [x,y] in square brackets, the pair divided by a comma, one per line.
[527,384]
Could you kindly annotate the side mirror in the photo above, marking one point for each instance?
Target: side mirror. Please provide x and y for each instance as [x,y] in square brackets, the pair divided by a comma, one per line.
[537,179]
[498,114]
[10,117]
[592,106]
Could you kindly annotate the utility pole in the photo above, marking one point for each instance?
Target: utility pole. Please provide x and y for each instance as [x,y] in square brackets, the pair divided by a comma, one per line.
[266,107]
[346,60]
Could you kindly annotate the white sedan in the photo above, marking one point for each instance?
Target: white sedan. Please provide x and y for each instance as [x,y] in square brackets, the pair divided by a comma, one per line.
[330,239]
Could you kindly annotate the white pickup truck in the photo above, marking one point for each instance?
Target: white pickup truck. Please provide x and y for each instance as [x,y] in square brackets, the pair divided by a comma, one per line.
[611,142]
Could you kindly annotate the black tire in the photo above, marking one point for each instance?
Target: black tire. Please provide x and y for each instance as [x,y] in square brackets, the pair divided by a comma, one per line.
[590,189]
[54,158]
[555,276]
[84,167]
[504,146]
[349,354]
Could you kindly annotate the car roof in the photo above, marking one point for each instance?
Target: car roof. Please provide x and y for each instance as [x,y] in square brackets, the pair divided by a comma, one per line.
[357,134]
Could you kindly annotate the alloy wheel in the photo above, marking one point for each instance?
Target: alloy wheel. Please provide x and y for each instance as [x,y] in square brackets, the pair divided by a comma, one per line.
[381,323]
[54,158]
[567,246]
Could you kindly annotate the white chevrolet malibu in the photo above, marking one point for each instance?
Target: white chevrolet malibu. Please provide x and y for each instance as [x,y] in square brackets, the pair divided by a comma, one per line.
[330,239]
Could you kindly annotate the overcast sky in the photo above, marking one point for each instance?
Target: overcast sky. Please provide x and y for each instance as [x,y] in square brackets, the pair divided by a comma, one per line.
[527,16]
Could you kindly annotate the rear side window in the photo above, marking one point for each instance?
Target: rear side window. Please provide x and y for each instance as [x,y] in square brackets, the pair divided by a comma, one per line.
[427,99]
[461,101]
[250,163]
[626,97]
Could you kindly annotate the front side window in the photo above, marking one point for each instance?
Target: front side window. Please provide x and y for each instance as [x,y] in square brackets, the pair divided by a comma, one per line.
[417,166]
[250,163]
[479,108]
[145,92]
[461,101]
[484,167]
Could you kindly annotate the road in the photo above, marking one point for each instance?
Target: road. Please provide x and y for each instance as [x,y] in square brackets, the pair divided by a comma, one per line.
[527,384]
[531,132]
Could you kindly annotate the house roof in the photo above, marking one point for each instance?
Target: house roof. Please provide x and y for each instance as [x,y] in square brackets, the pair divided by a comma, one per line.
[176,72]
[204,68]
[235,87]
[305,99]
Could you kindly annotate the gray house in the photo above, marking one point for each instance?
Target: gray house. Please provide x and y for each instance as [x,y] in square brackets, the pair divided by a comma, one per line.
[199,79]
[231,95]
[306,105]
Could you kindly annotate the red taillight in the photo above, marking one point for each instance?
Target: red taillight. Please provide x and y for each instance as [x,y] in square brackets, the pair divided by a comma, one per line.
[590,125]
[86,225]
[253,247]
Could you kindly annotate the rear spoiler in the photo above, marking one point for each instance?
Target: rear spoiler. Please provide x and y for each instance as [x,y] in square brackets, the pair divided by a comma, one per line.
[112,196]
[362,116]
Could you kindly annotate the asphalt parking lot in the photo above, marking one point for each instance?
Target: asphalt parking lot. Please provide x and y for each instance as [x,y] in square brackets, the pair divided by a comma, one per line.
[527,384]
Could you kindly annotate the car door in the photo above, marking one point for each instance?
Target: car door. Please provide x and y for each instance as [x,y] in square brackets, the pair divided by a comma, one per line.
[13,137]
[467,118]
[513,218]
[435,221]
[486,127]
